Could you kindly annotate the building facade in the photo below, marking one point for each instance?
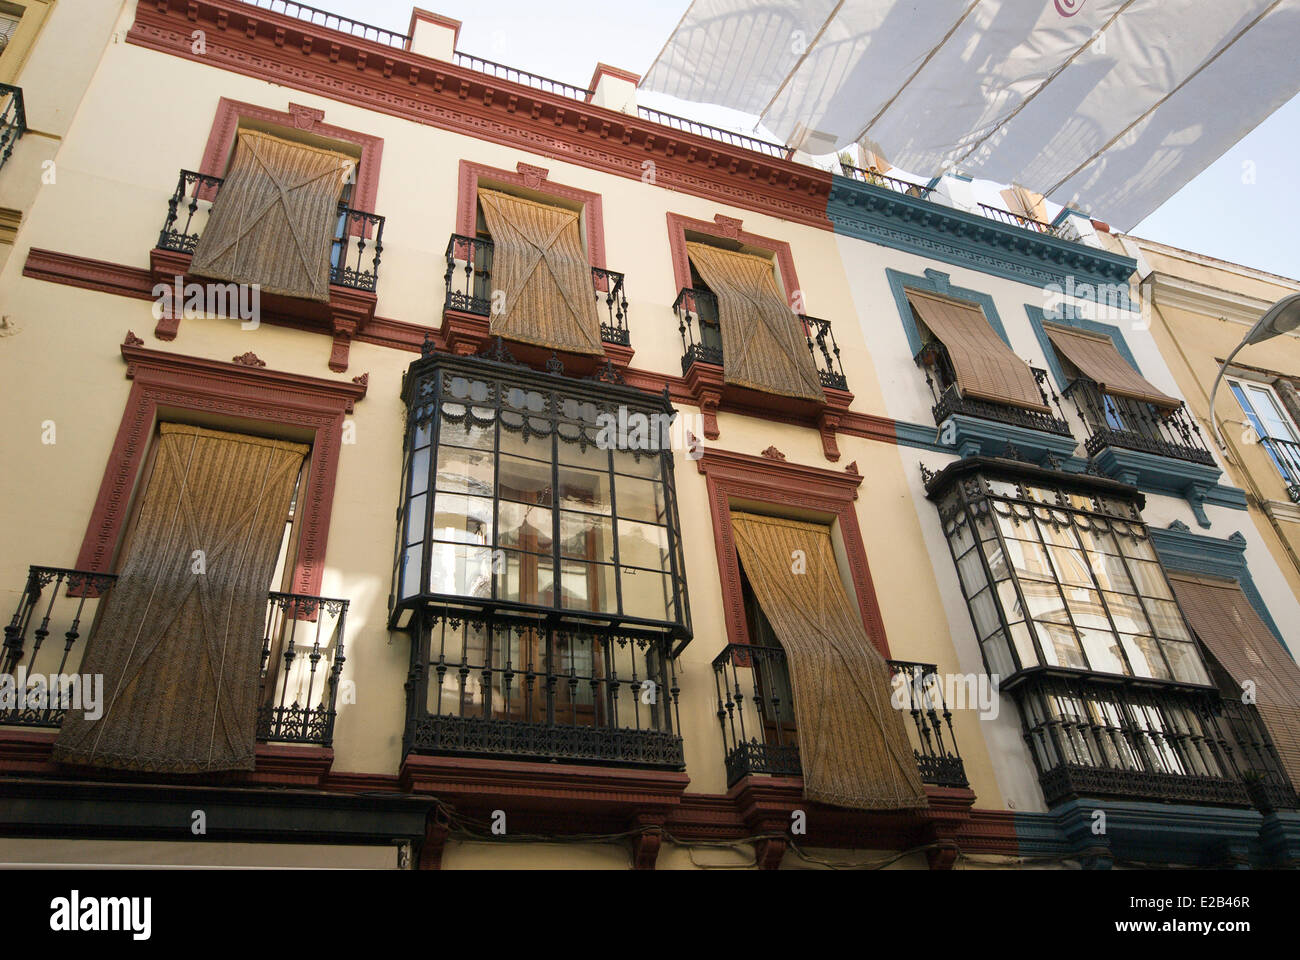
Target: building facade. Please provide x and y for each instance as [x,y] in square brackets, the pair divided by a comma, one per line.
[423,457]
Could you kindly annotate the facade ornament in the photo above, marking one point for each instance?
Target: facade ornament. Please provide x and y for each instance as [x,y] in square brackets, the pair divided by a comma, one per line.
[533,176]
[132,340]
[249,359]
[772,453]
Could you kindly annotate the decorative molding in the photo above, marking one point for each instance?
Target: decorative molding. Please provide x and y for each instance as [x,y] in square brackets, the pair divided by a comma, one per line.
[100,275]
[933,230]
[210,386]
[740,476]
[248,359]
[532,178]
[772,453]
[1067,316]
[1205,300]
[728,228]
[937,283]
[373,76]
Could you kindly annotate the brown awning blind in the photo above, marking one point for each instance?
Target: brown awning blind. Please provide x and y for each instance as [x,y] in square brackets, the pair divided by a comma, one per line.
[1229,626]
[852,743]
[179,641]
[1098,360]
[275,217]
[764,346]
[541,267]
[986,368]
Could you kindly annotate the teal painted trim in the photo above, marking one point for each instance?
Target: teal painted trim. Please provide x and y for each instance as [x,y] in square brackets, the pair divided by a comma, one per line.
[937,283]
[972,436]
[938,232]
[1191,481]
[920,437]
[1067,316]
[1150,833]
[1187,552]
[1222,495]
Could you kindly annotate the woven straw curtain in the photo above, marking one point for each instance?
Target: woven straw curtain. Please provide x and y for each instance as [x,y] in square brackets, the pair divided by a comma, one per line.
[853,745]
[986,368]
[275,217]
[538,261]
[1225,621]
[1098,360]
[764,346]
[180,651]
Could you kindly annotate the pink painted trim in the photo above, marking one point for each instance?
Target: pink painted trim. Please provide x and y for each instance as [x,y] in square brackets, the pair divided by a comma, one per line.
[225,124]
[191,383]
[728,228]
[532,178]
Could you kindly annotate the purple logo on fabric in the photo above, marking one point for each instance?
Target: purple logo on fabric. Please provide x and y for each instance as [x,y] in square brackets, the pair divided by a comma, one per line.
[1068,8]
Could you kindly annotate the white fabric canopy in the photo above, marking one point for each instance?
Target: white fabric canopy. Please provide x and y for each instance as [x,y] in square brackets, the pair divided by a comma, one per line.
[1113,104]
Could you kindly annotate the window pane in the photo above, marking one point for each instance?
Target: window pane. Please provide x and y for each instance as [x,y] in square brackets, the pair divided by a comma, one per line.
[423,434]
[536,444]
[997,560]
[1167,620]
[580,455]
[415,519]
[584,490]
[1150,579]
[524,578]
[643,544]
[1144,656]
[1023,639]
[1044,600]
[1127,611]
[524,526]
[462,519]
[971,570]
[1111,574]
[996,655]
[647,465]
[586,536]
[411,571]
[465,471]
[420,471]
[1063,535]
[1185,661]
[460,570]
[1102,649]
[984,612]
[646,593]
[1029,559]
[527,481]
[1060,648]
[1071,566]
[588,586]
[1138,547]
[466,427]
[640,499]
[1086,609]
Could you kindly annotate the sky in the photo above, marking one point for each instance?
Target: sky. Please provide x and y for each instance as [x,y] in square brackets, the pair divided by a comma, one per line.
[1245,208]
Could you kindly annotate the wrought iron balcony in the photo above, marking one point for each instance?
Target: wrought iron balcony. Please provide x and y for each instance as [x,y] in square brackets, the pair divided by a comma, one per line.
[1019,220]
[1136,425]
[716,133]
[354,254]
[1285,455]
[878,179]
[756,713]
[697,317]
[489,684]
[1178,745]
[13,119]
[469,287]
[302,652]
[942,381]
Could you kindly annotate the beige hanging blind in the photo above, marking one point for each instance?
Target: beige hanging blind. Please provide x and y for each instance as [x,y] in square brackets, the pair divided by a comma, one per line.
[541,267]
[275,217]
[179,641]
[764,346]
[986,368]
[1225,621]
[1097,359]
[852,743]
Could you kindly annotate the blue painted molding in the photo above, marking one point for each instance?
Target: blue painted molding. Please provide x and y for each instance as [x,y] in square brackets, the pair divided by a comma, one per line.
[1067,316]
[1187,552]
[1191,481]
[938,232]
[937,283]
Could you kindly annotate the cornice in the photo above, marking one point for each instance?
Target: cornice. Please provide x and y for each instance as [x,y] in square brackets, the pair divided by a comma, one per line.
[373,76]
[1202,298]
[930,229]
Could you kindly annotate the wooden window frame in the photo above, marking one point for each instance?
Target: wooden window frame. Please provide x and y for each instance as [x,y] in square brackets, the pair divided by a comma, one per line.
[249,393]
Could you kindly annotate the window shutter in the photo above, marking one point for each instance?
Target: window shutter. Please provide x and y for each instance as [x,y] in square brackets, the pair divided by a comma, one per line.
[764,346]
[1098,360]
[274,218]
[180,650]
[538,261]
[1225,621]
[852,743]
[986,368]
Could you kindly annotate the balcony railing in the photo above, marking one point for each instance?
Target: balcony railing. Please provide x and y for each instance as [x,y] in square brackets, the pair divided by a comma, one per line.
[513,74]
[469,287]
[1136,425]
[941,378]
[355,250]
[1018,220]
[489,684]
[302,652]
[1285,455]
[332,21]
[697,322]
[13,119]
[889,183]
[756,714]
[1168,744]
[716,133]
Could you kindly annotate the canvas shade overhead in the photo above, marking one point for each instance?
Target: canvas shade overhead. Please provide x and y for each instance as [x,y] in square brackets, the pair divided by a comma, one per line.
[1097,359]
[853,746]
[986,368]
[180,650]
[274,218]
[764,344]
[539,263]
[1226,622]
[1116,102]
